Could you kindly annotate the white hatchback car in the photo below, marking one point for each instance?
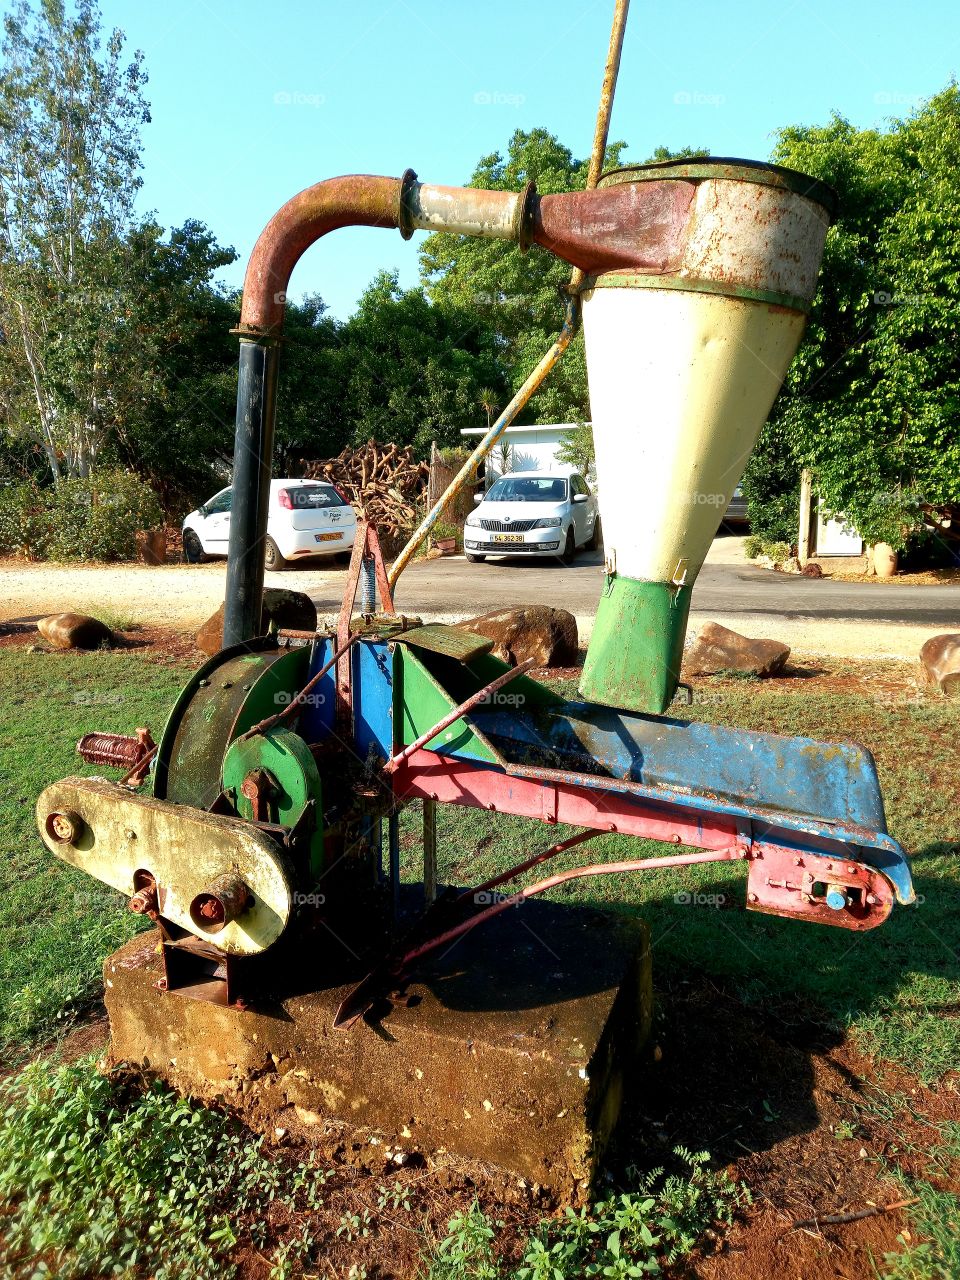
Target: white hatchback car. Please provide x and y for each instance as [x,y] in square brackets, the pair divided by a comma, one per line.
[306,518]
[533,513]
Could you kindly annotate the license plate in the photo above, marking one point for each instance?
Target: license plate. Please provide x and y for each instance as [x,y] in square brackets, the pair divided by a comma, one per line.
[327,537]
[508,537]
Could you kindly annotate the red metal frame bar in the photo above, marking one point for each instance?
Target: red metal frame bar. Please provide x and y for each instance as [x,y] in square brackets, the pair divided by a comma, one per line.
[451,717]
[426,774]
[366,545]
[521,867]
[551,882]
[781,881]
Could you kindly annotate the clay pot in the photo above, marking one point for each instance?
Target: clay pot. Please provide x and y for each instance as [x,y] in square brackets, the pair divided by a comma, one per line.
[445,545]
[884,560]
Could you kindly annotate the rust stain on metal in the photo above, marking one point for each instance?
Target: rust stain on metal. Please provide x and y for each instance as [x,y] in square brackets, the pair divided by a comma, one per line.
[358,200]
[641,225]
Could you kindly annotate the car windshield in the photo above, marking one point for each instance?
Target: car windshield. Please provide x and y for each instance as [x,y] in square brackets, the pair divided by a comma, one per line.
[314,495]
[528,489]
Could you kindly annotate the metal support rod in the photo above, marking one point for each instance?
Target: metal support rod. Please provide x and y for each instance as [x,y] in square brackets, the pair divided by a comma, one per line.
[252,468]
[393,837]
[598,869]
[451,717]
[571,324]
[605,107]
[429,851]
[297,702]
[535,861]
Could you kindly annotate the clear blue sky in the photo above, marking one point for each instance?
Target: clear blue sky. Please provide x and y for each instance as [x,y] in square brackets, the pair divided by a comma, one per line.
[252,101]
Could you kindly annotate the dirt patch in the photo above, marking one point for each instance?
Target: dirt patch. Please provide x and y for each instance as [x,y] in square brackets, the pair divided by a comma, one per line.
[774,1093]
[922,578]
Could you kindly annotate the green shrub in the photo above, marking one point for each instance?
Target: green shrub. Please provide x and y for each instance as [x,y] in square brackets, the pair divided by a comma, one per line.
[90,519]
[777,551]
[753,546]
[633,1234]
[26,521]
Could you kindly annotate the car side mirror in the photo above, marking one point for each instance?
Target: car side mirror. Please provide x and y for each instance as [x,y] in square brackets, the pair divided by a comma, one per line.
[579,497]
[478,498]
[202,509]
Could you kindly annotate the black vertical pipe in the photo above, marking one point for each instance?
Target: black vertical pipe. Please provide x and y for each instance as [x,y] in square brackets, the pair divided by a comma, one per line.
[252,471]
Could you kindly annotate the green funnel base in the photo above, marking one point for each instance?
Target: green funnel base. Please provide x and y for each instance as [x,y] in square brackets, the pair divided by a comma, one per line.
[635,651]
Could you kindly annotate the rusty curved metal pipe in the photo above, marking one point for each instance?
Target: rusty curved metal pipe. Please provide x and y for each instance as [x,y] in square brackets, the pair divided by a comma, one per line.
[639,225]
[356,200]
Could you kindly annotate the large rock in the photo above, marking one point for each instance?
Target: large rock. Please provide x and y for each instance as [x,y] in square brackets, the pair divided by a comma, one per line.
[75,631]
[549,636]
[717,648]
[940,659]
[289,610]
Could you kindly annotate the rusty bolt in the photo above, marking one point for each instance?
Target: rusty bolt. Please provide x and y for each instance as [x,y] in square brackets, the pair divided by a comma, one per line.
[798,862]
[853,868]
[65,828]
[752,897]
[872,899]
[144,901]
[161,984]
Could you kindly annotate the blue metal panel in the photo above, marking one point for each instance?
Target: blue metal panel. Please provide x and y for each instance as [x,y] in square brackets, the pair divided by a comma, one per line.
[373,697]
[317,718]
[712,762]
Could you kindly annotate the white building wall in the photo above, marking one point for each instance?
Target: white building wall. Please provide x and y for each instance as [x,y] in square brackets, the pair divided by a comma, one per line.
[532,448]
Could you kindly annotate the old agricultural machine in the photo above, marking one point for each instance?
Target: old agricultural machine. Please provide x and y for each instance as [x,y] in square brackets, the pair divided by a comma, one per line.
[252,833]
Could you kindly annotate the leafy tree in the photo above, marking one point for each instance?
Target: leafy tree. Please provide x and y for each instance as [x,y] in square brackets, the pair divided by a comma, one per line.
[70,115]
[577,449]
[518,297]
[413,370]
[521,297]
[312,420]
[871,401]
[176,422]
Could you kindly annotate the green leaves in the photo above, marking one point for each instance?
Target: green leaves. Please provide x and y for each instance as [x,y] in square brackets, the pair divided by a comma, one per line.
[870,404]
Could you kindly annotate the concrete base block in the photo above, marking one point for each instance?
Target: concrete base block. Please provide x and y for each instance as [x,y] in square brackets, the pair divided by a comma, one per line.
[515,1048]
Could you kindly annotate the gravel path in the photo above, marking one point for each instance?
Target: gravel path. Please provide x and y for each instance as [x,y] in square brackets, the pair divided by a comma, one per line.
[181,597]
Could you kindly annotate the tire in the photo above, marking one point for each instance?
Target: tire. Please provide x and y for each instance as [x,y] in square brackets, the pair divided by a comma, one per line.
[569,547]
[474,558]
[595,541]
[192,548]
[272,559]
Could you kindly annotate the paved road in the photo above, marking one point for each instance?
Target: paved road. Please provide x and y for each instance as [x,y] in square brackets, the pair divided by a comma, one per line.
[450,585]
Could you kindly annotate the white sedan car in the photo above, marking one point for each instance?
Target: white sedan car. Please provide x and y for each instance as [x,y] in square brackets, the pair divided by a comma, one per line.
[533,513]
[306,518]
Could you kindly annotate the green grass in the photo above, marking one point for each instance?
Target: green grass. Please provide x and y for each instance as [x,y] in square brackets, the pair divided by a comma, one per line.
[80,1159]
[56,924]
[100,1178]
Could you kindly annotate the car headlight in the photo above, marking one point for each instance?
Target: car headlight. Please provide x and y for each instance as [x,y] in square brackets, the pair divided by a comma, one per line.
[472,519]
[549,522]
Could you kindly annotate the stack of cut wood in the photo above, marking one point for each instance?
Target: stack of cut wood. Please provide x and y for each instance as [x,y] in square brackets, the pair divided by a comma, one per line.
[383,481]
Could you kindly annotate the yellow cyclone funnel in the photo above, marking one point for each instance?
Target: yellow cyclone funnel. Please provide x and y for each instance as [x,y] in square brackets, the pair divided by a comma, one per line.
[683,367]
